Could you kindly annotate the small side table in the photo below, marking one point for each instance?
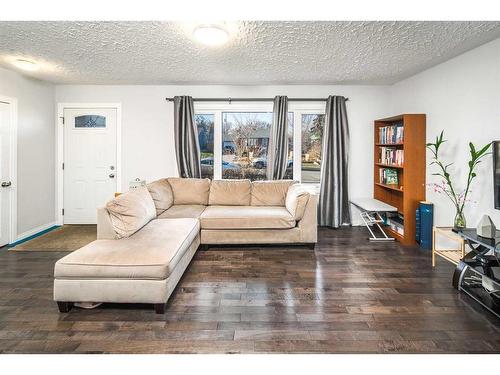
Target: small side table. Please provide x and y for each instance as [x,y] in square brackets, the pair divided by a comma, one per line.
[451,255]
[477,274]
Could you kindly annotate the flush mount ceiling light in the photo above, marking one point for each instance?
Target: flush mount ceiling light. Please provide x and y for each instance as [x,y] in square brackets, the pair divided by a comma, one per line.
[27,65]
[211,35]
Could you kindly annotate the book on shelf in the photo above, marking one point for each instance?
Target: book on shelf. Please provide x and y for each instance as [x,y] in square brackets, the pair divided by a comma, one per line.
[391,156]
[388,176]
[391,134]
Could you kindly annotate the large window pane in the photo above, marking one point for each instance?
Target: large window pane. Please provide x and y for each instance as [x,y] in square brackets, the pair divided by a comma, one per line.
[312,135]
[289,167]
[245,137]
[205,124]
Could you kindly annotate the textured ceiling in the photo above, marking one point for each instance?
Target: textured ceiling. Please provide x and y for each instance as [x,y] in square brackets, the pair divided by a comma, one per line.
[257,53]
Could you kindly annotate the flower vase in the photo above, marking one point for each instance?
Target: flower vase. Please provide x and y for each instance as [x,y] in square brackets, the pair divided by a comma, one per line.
[460,222]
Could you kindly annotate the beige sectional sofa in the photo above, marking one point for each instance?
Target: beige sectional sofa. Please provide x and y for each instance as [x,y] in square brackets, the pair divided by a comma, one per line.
[147,237]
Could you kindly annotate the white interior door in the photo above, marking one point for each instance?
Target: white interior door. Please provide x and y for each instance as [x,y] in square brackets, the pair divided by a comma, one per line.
[5,188]
[89,162]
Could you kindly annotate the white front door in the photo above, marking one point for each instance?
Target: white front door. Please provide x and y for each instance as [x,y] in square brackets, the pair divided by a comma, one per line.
[5,182]
[89,162]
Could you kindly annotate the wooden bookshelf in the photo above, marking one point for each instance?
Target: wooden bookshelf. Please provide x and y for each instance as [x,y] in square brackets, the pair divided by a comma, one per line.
[410,189]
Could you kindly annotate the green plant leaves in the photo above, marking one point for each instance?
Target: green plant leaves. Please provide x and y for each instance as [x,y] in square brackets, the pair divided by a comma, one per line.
[434,147]
[475,156]
[472,149]
[484,149]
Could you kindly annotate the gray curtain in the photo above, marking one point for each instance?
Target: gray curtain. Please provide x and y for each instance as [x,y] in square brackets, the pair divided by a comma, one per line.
[333,197]
[277,151]
[187,148]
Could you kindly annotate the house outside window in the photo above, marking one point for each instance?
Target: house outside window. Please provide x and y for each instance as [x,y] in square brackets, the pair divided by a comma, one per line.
[245,144]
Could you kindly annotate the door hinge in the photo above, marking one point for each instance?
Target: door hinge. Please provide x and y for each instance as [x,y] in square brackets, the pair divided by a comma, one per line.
[63,211]
[63,166]
[62,118]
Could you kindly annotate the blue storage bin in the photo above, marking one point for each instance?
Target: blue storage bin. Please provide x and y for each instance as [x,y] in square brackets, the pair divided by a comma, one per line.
[424,222]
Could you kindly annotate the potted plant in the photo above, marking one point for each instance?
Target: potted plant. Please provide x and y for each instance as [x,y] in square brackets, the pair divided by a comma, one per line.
[458,198]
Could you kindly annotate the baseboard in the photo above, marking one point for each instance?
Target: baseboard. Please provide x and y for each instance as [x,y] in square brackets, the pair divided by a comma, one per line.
[357,223]
[35,232]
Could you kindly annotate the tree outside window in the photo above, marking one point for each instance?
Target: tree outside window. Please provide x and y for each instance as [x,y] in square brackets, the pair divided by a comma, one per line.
[205,125]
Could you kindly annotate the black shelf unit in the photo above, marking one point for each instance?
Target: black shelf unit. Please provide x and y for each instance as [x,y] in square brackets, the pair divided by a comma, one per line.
[477,269]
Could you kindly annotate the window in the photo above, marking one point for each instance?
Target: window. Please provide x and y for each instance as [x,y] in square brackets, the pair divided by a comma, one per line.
[245,139]
[90,121]
[205,125]
[234,140]
[312,135]
[289,165]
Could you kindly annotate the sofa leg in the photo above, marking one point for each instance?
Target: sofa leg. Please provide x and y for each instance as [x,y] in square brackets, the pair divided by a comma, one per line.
[64,307]
[160,308]
[311,245]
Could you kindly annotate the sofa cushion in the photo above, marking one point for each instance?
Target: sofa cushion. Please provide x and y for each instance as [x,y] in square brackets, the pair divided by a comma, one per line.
[152,253]
[230,193]
[130,211]
[190,190]
[296,201]
[246,217]
[183,211]
[270,193]
[162,195]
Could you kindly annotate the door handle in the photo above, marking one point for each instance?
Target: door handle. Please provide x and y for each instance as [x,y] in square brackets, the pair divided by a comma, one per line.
[111,175]
[6,184]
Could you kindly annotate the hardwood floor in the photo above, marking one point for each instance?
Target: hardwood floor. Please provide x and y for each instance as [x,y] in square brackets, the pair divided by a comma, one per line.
[346,296]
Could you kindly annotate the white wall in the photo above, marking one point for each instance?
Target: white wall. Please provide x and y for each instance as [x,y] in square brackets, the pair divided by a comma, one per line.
[147,122]
[35,150]
[461,96]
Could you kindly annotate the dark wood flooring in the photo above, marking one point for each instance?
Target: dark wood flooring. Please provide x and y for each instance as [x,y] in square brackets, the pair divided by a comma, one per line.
[346,296]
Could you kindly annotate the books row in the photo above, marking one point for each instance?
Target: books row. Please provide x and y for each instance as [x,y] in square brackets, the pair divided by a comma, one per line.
[388,176]
[390,155]
[391,134]
[396,223]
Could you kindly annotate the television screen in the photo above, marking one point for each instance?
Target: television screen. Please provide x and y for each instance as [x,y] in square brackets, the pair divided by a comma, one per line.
[496,173]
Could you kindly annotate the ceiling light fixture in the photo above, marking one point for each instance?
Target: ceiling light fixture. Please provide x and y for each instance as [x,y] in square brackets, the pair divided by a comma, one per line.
[211,35]
[27,65]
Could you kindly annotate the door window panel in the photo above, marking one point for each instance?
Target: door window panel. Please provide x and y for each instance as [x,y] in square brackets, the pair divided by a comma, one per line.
[90,121]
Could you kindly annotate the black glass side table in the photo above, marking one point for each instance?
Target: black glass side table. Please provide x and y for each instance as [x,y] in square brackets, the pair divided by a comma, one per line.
[478,272]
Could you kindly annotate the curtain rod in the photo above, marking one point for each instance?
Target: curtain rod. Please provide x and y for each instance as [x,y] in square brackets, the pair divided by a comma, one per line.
[253,99]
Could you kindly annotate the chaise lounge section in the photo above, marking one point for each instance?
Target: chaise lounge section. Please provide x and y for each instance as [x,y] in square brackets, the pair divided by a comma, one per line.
[148,236]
